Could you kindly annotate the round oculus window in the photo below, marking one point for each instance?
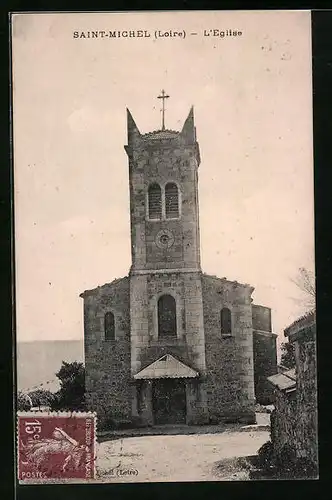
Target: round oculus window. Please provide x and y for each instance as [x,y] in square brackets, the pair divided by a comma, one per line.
[164,239]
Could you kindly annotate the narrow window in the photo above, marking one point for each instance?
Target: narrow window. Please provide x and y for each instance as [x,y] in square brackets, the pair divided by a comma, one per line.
[171,201]
[166,316]
[109,326]
[154,201]
[226,321]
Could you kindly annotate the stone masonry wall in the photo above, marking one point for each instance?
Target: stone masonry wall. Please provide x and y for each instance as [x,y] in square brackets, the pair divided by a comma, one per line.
[294,420]
[261,318]
[107,363]
[265,353]
[139,320]
[283,421]
[229,359]
[188,346]
[165,163]
[307,428]
[265,365]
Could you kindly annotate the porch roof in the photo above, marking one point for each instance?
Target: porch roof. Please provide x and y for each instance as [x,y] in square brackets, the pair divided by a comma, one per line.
[166,367]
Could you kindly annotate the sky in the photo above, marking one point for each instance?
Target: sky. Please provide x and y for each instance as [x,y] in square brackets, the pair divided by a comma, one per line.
[252,100]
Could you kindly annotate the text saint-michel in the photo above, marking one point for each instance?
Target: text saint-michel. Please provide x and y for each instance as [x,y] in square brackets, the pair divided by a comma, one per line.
[112,34]
[169,33]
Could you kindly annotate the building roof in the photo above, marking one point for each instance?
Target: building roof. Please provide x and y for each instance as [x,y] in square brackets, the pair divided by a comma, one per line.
[282,369]
[225,280]
[166,367]
[265,333]
[161,134]
[102,287]
[285,381]
[301,323]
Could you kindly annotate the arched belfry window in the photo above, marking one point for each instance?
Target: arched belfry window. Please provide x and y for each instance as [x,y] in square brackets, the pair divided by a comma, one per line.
[171,200]
[154,201]
[226,321]
[166,316]
[109,324]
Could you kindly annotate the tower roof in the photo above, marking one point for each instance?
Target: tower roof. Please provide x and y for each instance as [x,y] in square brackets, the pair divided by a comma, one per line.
[161,134]
[162,137]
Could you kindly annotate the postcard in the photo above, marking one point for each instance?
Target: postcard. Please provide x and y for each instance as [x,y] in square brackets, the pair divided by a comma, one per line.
[164,246]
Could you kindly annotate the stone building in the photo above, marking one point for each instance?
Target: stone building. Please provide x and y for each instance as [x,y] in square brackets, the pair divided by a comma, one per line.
[168,343]
[294,420]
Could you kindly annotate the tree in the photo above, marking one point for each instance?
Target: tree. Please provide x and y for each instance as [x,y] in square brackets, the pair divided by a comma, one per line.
[41,397]
[24,402]
[306,283]
[287,355]
[72,387]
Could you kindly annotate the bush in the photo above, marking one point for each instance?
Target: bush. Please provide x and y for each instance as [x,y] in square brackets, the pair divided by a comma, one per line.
[107,424]
[71,395]
[265,455]
[287,355]
[41,397]
[24,402]
[137,422]
[124,424]
[306,468]
[286,457]
[286,462]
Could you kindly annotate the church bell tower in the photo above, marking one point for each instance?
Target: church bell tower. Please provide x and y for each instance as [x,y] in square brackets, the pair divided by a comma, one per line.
[166,309]
[163,168]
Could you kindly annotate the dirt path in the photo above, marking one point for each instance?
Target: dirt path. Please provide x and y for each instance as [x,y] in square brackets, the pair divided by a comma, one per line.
[177,457]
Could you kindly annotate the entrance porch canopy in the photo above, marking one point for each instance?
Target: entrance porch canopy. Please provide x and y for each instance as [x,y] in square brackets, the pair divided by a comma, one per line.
[166,367]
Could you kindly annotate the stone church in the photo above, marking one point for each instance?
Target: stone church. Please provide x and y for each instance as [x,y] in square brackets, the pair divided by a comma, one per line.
[169,344]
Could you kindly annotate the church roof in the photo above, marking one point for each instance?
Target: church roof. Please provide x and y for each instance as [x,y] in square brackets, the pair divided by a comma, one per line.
[225,280]
[102,287]
[166,367]
[161,134]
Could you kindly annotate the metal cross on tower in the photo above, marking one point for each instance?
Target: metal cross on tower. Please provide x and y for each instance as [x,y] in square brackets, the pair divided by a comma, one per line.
[163,96]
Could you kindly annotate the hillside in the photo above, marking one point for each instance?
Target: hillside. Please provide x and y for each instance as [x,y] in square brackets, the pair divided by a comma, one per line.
[38,361]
